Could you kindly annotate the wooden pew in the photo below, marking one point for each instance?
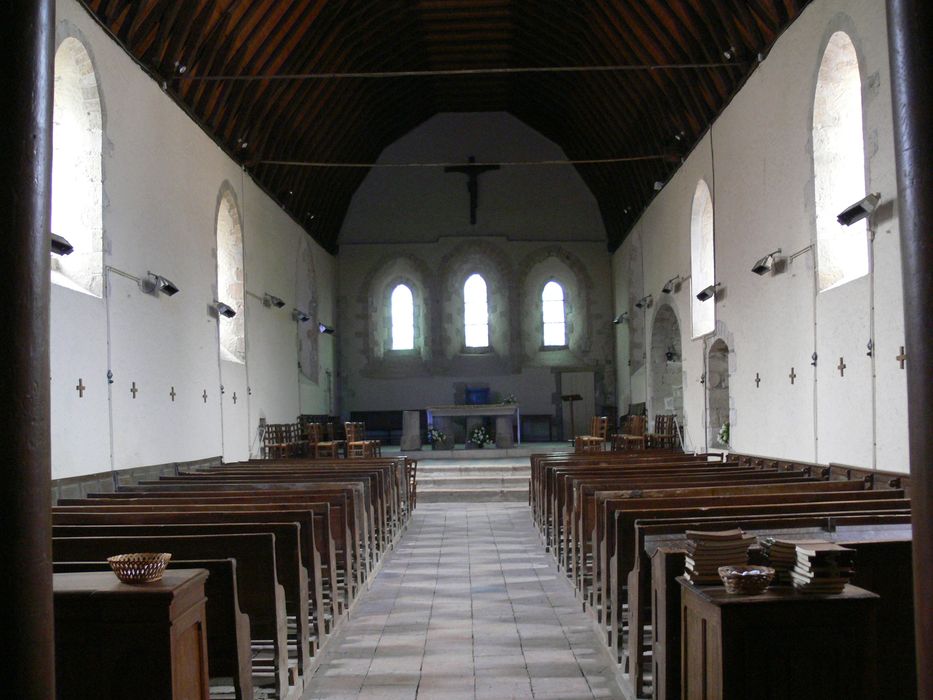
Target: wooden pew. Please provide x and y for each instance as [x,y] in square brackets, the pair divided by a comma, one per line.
[228,646]
[261,596]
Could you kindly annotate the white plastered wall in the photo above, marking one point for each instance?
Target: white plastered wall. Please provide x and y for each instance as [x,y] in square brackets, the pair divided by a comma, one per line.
[757,160]
[162,176]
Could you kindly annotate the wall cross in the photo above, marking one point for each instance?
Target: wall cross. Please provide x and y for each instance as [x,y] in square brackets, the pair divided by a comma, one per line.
[757,380]
[204,396]
[902,357]
[172,394]
[841,367]
[792,375]
[472,172]
[234,398]
[134,390]
[81,386]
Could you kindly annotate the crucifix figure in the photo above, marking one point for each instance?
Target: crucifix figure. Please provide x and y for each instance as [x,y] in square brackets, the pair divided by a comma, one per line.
[472,172]
[902,357]
[172,394]
[792,375]
[757,380]
[134,390]
[841,367]
[81,386]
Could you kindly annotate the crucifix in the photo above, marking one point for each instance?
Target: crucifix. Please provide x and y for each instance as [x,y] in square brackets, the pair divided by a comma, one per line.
[204,396]
[792,375]
[172,394]
[234,398]
[841,367]
[472,172]
[757,380]
[902,357]
[134,390]
[81,386]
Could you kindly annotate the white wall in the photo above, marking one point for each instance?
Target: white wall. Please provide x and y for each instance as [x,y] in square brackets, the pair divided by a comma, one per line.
[757,160]
[162,176]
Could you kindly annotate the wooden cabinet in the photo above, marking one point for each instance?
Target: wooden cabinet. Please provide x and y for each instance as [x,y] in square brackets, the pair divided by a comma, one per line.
[114,640]
[778,644]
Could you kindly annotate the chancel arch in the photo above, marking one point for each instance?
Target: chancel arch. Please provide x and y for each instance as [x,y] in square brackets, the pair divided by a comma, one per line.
[77,174]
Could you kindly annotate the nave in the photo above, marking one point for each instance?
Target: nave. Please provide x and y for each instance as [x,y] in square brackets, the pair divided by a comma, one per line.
[469,605]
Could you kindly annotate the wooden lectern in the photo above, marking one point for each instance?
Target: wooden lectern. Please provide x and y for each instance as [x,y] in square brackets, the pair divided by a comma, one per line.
[570,398]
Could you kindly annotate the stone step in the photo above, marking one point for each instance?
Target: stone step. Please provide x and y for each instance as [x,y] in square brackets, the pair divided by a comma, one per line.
[457,481]
[472,495]
[448,472]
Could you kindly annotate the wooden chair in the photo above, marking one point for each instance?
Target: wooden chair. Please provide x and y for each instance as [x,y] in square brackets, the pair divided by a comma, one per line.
[663,435]
[595,441]
[274,441]
[319,446]
[357,444]
[632,436]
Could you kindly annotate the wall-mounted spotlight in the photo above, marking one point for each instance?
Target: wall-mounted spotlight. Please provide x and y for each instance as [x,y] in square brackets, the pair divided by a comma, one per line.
[672,284]
[272,300]
[224,310]
[300,316]
[621,318]
[325,329]
[658,185]
[708,293]
[860,210]
[153,284]
[765,264]
[644,302]
[60,246]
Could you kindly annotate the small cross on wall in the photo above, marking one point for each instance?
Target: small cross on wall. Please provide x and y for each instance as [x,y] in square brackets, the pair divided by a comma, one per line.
[757,380]
[841,367]
[172,394]
[81,386]
[792,375]
[134,390]
[204,396]
[234,398]
[902,357]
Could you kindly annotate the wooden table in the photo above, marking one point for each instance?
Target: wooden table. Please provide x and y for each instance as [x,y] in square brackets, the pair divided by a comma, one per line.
[777,644]
[115,640]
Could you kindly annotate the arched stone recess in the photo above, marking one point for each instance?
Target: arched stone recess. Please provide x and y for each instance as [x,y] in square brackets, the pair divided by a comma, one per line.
[231,281]
[665,369]
[77,166]
[537,269]
[720,367]
[374,310]
[490,261]
[306,297]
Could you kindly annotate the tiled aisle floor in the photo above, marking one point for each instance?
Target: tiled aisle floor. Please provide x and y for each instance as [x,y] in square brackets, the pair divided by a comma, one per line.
[468,606]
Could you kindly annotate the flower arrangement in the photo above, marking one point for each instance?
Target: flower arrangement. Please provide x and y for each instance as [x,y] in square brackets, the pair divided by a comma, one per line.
[480,436]
[510,399]
[436,436]
[724,433]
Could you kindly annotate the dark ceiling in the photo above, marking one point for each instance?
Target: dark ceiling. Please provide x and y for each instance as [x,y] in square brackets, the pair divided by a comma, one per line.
[267,80]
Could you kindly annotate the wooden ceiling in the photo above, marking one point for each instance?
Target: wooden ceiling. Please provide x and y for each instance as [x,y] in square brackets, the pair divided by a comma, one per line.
[267,79]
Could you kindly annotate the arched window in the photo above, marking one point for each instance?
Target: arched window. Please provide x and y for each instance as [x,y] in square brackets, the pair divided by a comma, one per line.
[475,313]
[403,318]
[230,282]
[552,314]
[77,191]
[702,261]
[838,164]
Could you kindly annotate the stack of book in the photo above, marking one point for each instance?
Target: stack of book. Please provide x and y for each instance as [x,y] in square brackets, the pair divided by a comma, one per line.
[822,567]
[707,551]
[781,556]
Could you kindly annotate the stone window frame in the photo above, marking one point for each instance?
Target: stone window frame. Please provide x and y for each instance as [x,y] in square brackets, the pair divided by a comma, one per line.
[568,326]
[696,224]
[464,348]
[227,196]
[417,302]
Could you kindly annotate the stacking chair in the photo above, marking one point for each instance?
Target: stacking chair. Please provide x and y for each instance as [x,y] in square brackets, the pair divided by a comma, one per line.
[663,435]
[632,436]
[595,441]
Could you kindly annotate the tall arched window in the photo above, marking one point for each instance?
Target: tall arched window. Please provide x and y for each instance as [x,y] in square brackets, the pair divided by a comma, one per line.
[552,315]
[77,190]
[403,318]
[838,164]
[475,313]
[702,260]
[230,279]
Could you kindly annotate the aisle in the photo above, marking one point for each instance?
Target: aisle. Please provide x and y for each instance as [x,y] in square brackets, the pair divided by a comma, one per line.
[469,606]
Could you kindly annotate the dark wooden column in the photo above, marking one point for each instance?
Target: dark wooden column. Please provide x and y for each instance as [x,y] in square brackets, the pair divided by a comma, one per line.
[26,634]
[911,61]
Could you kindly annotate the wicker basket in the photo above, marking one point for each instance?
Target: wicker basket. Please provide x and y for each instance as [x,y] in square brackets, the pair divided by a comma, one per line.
[139,567]
[749,579]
